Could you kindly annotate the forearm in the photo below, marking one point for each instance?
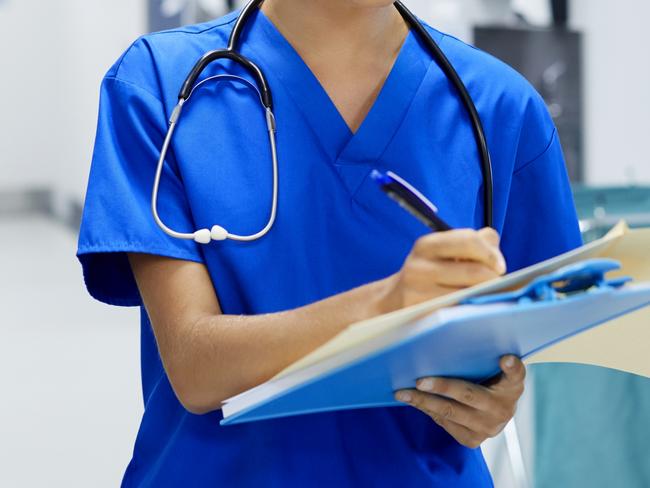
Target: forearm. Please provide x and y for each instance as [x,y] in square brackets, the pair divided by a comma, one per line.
[219,356]
[209,356]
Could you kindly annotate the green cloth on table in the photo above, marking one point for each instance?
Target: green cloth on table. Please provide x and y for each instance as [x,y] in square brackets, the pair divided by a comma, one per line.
[592,427]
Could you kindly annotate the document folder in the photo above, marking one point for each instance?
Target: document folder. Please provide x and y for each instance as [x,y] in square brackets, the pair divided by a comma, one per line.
[464,341]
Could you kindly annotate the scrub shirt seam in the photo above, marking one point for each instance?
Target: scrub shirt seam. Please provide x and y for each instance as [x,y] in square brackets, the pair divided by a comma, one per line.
[105,245]
[104,295]
[170,31]
[126,247]
[454,38]
[297,103]
[319,143]
[146,37]
[541,155]
[183,30]
[408,109]
[161,376]
[175,168]
[394,135]
[432,29]
[134,85]
[125,54]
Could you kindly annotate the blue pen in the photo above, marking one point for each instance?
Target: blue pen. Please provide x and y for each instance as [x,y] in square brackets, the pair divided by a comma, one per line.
[410,199]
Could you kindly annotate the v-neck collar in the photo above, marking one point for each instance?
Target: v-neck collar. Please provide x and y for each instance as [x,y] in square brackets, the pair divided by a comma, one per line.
[281,61]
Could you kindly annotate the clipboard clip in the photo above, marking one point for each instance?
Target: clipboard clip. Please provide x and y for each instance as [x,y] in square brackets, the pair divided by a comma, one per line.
[572,279]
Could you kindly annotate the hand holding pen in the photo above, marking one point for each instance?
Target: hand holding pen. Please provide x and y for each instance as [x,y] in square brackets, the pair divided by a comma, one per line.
[410,199]
[439,263]
[445,260]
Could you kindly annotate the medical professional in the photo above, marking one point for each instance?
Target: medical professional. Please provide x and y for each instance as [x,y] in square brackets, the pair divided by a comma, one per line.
[354,89]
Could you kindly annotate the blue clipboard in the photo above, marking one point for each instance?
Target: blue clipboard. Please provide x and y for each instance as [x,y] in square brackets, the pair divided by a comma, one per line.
[465,341]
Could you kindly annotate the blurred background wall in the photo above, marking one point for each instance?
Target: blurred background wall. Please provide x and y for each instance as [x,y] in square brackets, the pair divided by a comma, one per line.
[617,77]
[53,102]
[70,367]
[53,55]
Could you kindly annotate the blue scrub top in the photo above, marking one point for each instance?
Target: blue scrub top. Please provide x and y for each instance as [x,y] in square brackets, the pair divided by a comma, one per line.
[335,230]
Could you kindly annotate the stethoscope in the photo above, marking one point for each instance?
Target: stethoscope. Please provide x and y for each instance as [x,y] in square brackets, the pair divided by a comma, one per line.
[261,86]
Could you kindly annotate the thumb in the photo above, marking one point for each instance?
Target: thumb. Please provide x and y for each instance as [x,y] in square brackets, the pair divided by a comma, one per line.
[514,372]
[490,235]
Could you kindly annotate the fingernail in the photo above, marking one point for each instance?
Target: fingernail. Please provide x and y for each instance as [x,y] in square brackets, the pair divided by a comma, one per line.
[426,384]
[510,362]
[404,396]
[502,265]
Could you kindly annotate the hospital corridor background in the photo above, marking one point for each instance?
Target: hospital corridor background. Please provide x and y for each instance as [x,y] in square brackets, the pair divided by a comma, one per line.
[71,396]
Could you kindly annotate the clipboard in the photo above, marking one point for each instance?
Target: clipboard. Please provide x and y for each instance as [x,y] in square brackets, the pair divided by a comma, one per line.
[622,344]
[464,341]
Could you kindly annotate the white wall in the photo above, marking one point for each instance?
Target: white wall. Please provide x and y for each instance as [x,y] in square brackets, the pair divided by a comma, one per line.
[617,89]
[458,17]
[27,83]
[53,55]
[71,400]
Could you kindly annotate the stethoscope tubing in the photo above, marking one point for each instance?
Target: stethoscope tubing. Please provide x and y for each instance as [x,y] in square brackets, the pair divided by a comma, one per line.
[190,85]
[477,125]
[217,233]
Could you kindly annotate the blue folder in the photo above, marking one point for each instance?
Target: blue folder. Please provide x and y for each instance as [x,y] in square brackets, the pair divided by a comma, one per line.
[465,341]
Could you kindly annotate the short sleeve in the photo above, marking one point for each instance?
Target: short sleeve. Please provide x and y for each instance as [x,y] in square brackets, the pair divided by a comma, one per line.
[117,216]
[540,221]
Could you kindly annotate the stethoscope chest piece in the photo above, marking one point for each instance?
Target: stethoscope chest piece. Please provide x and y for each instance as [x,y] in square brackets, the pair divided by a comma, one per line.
[191,84]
